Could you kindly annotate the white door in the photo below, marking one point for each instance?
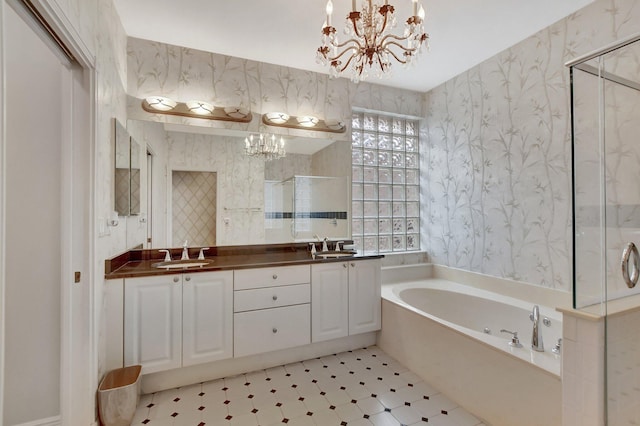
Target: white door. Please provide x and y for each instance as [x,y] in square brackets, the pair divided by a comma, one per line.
[207,317]
[153,322]
[46,108]
[329,301]
[364,296]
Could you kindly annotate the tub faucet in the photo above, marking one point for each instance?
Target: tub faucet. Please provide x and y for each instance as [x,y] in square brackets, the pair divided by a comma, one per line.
[536,337]
[185,251]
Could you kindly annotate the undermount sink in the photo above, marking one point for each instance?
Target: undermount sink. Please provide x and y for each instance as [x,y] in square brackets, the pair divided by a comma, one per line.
[335,254]
[182,264]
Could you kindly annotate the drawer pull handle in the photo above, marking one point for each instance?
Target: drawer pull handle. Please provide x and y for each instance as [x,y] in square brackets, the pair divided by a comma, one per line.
[188,278]
[275,277]
[176,279]
[275,330]
[275,297]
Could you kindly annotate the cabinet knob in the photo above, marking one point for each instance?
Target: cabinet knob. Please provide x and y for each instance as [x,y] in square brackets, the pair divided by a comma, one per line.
[275,297]
[344,265]
[275,330]
[275,276]
[353,265]
[188,278]
[176,279]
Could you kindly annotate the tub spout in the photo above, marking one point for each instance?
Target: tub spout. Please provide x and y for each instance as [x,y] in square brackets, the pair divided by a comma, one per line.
[536,337]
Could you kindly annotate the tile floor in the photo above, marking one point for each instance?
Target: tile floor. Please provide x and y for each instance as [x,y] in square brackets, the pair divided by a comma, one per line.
[361,387]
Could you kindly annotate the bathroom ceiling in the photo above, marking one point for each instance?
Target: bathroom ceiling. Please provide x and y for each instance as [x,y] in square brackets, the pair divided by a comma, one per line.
[462,33]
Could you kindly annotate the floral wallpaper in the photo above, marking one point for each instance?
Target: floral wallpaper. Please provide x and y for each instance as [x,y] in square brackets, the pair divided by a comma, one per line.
[184,74]
[498,165]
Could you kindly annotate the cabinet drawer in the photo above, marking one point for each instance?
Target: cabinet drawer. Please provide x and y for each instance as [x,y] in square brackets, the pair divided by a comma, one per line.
[268,277]
[271,297]
[271,329]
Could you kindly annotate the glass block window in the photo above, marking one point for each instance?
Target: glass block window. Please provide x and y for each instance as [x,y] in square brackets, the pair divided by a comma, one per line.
[386,183]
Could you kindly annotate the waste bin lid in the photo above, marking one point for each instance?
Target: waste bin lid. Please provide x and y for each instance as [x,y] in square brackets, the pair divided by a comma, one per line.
[120,377]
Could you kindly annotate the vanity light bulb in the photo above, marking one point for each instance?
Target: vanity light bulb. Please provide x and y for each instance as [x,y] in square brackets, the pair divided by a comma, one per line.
[307,121]
[277,117]
[161,103]
[199,107]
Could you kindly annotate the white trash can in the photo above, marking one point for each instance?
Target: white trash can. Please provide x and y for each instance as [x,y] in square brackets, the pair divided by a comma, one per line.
[118,396]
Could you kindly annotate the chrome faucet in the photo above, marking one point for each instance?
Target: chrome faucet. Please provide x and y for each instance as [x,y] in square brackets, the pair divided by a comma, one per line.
[536,337]
[185,252]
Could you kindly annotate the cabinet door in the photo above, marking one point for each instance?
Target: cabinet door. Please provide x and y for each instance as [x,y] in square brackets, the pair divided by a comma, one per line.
[153,322]
[329,301]
[364,296]
[207,317]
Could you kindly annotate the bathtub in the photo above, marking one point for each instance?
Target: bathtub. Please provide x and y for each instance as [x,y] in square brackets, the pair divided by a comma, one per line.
[450,334]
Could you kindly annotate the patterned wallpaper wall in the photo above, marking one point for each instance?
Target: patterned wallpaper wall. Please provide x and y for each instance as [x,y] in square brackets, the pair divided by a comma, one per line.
[498,175]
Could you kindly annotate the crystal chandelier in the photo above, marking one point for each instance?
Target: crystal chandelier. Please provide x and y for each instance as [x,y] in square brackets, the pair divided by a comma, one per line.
[263,145]
[370,43]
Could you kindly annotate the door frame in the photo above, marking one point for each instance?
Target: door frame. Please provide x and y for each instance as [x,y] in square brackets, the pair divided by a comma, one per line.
[79,131]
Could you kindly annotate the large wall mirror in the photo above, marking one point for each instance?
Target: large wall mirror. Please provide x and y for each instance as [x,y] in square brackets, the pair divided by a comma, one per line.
[205,189]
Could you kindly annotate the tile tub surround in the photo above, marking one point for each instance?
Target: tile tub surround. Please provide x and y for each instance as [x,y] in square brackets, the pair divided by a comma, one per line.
[360,387]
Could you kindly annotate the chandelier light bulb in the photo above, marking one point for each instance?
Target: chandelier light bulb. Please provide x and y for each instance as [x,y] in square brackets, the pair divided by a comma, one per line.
[421,13]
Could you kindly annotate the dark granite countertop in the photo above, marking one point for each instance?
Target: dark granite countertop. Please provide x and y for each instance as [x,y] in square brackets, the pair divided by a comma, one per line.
[138,263]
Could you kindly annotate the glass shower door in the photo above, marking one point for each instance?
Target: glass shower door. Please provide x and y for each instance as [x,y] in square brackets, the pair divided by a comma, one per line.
[606,154]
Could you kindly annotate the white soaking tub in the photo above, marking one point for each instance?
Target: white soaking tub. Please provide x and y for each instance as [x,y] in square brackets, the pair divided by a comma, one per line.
[450,334]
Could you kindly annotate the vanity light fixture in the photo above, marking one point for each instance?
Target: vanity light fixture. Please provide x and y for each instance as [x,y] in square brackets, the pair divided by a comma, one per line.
[304,122]
[307,120]
[264,145]
[200,108]
[276,117]
[161,103]
[195,109]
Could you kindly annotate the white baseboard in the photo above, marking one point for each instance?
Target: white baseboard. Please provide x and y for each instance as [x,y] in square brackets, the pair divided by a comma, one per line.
[50,421]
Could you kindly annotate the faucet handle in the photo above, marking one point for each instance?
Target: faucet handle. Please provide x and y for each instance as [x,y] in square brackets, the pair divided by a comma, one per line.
[515,342]
[338,245]
[201,255]
[167,255]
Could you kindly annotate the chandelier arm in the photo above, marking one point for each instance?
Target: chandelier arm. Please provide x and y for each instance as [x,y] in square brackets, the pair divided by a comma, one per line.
[394,37]
[354,48]
[395,43]
[391,52]
[348,62]
[351,40]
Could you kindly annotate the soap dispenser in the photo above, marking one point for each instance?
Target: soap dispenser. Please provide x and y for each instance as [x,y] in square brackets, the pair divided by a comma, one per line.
[313,250]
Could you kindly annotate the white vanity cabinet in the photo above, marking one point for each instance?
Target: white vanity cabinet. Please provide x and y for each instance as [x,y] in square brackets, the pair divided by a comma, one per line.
[365,302]
[271,309]
[178,320]
[329,301]
[345,299]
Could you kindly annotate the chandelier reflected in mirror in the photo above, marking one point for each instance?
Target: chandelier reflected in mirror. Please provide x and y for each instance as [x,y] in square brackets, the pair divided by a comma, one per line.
[264,145]
[370,43]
